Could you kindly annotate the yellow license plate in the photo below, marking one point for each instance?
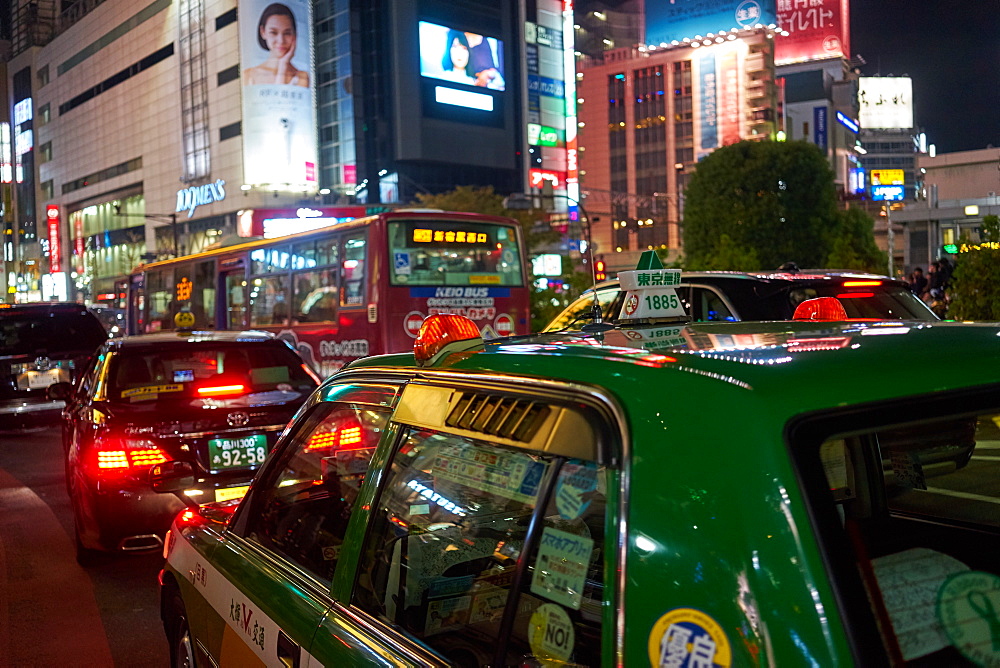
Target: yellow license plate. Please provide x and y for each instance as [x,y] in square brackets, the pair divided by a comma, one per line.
[227,493]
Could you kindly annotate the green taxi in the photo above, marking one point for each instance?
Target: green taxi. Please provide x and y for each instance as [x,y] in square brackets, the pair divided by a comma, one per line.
[801,493]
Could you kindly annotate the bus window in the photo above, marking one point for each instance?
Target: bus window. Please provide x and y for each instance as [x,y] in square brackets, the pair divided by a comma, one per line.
[315,296]
[354,271]
[194,291]
[269,300]
[269,260]
[432,252]
[159,300]
[236,287]
[314,253]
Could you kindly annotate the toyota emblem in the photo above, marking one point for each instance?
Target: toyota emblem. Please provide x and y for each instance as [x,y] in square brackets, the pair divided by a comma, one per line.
[237,419]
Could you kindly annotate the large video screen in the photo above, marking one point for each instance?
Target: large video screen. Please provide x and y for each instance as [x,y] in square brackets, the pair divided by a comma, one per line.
[461,57]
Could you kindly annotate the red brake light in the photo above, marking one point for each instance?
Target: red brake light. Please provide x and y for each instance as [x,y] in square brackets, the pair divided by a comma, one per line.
[439,330]
[222,390]
[821,308]
[119,456]
[861,284]
[339,437]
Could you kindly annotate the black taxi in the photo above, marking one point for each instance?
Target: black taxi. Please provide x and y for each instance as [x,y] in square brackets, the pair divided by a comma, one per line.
[648,493]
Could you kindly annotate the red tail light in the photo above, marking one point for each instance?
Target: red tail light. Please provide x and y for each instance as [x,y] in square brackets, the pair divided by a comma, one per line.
[117,456]
[861,284]
[343,436]
[222,390]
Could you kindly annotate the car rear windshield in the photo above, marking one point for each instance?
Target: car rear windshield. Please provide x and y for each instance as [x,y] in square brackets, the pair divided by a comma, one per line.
[23,333]
[918,511]
[882,302]
[266,372]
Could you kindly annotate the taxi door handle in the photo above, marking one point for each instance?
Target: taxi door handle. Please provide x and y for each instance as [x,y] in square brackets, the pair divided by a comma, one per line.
[288,650]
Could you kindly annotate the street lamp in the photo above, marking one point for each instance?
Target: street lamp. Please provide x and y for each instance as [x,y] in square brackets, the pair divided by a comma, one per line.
[160,217]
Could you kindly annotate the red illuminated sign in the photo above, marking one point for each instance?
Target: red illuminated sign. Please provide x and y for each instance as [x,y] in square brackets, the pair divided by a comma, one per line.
[55,240]
[816,29]
[538,177]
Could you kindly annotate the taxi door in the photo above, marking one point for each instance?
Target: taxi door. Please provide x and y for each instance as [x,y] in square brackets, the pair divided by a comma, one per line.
[473,493]
[272,568]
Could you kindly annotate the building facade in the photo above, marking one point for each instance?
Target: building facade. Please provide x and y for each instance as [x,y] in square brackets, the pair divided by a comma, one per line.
[145,130]
[648,115]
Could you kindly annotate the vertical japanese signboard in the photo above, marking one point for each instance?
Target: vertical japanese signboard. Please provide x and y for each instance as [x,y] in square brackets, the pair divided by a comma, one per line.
[55,240]
[709,102]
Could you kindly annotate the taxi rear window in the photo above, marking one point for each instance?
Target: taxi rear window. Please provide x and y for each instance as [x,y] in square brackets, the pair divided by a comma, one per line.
[183,373]
[918,508]
[883,302]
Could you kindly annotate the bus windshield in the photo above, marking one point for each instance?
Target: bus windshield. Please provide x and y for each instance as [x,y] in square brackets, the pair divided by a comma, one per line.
[443,252]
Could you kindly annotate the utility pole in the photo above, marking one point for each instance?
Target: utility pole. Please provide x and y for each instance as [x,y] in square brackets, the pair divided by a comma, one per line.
[891,238]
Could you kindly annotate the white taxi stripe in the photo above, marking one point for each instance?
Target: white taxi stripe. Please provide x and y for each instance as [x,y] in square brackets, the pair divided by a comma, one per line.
[247,627]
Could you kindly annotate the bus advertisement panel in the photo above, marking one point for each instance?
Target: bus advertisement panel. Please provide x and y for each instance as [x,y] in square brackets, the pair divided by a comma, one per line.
[356,288]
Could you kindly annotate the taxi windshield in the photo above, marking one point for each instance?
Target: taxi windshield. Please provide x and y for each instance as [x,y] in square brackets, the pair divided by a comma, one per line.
[432,252]
[919,507]
[207,372]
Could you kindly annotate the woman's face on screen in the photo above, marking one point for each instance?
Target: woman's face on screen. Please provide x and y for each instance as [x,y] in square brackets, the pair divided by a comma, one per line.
[459,55]
[278,34]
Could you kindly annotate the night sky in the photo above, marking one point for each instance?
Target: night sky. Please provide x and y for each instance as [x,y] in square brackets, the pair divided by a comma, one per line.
[951,50]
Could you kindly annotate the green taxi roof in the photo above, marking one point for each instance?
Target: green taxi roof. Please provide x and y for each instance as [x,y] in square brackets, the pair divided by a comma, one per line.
[797,366]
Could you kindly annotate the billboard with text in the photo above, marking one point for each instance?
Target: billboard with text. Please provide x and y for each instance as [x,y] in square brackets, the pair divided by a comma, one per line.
[816,29]
[669,20]
[885,102]
[279,118]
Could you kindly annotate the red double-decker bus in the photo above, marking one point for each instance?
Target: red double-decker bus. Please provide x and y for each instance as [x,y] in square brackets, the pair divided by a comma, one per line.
[348,290]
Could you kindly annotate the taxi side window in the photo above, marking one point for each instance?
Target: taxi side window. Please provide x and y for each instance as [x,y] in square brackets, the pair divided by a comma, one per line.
[918,504]
[301,510]
[446,545]
[707,306]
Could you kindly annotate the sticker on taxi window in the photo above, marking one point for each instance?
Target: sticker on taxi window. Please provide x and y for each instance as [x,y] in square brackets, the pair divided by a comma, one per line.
[686,636]
[551,634]
[968,607]
[577,486]
[151,389]
[561,567]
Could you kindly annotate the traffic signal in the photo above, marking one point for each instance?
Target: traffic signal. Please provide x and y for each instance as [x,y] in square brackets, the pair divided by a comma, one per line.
[599,273]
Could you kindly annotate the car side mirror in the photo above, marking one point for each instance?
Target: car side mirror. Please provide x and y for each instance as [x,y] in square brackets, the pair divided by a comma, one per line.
[173,478]
[59,391]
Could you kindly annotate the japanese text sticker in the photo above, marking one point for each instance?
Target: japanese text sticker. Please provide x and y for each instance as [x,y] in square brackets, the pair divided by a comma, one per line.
[688,638]
[551,634]
[561,567]
[577,486]
[144,392]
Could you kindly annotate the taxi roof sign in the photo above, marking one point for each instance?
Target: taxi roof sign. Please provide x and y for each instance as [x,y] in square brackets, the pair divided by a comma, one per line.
[650,291]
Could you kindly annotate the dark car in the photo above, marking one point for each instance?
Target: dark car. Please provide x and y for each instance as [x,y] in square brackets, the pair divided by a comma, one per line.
[215,401]
[731,296]
[41,344]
